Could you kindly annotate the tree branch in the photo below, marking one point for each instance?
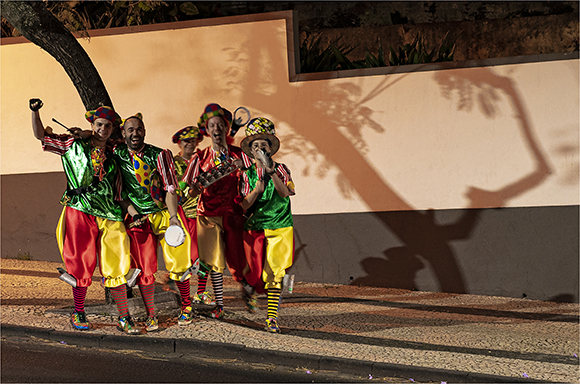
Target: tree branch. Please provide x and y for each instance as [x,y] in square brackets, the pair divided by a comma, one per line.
[35,22]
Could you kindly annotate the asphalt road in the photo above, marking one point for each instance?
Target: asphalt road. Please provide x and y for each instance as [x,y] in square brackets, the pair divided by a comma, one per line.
[34,361]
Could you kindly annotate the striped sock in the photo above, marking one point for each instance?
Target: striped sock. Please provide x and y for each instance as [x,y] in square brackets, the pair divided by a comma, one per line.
[184,292]
[79,294]
[273,302]
[120,296]
[201,284]
[148,295]
[217,280]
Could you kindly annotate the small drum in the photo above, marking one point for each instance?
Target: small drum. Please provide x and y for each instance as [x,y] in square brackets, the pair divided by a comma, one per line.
[174,236]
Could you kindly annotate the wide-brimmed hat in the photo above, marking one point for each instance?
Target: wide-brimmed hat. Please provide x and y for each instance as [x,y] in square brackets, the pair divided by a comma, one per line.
[190,132]
[138,115]
[210,111]
[260,128]
[103,112]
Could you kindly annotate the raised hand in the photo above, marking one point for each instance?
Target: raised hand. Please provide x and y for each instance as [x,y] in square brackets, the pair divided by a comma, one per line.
[35,104]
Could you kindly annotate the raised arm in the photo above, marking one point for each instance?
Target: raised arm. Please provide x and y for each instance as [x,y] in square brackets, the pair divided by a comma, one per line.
[37,127]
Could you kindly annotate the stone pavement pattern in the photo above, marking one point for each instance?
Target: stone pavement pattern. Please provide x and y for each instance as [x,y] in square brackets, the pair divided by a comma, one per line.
[514,338]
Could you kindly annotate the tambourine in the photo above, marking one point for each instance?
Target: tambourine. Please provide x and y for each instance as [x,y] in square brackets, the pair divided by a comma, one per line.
[241,118]
[174,236]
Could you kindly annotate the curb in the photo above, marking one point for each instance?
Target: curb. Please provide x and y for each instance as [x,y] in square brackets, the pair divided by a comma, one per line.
[203,348]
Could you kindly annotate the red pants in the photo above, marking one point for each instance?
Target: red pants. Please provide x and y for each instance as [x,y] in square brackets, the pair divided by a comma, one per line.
[144,244]
[269,253]
[82,238]
[191,227]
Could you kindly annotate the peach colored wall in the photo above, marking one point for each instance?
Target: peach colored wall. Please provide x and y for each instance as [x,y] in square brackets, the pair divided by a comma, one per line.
[474,137]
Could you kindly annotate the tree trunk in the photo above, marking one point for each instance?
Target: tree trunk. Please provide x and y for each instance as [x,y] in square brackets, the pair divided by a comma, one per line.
[35,22]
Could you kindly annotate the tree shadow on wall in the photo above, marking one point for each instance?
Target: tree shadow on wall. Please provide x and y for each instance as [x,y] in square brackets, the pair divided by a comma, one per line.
[419,231]
[330,134]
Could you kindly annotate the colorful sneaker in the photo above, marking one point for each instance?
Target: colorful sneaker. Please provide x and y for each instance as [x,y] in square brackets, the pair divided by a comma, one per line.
[126,324]
[151,324]
[204,298]
[218,312]
[250,299]
[186,316]
[272,325]
[79,321]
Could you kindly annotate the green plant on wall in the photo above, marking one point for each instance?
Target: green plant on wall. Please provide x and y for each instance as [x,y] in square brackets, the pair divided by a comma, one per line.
[315,59]
[418,53]
[334,57]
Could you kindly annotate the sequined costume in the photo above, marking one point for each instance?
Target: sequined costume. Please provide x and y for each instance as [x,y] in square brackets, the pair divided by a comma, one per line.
[220,218]
[147,176]
[268,231]
[91,222]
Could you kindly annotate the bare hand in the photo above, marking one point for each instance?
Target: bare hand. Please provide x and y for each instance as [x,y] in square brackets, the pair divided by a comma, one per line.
[82,133]
[174,220]
[195,190]
[260,186]
[239,163]
[270,170]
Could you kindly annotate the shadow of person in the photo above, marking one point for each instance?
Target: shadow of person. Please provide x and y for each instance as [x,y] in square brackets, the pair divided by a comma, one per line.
[397,270]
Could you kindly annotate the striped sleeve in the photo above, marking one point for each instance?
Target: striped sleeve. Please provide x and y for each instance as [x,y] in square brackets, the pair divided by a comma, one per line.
[166,168]
[245,187]
[284,173]
[247,161]
[58,144]
[192,171]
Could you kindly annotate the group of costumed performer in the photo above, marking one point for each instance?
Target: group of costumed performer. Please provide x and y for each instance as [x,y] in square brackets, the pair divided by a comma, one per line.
[104,180]
[150,191]
[91,224]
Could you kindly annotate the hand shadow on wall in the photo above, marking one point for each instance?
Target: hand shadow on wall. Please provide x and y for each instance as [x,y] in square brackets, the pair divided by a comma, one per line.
[331,134]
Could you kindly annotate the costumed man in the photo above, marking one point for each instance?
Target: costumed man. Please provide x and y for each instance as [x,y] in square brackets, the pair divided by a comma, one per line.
[220,221]
[188,139]
[150,191]
[268,231]
[91,223]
